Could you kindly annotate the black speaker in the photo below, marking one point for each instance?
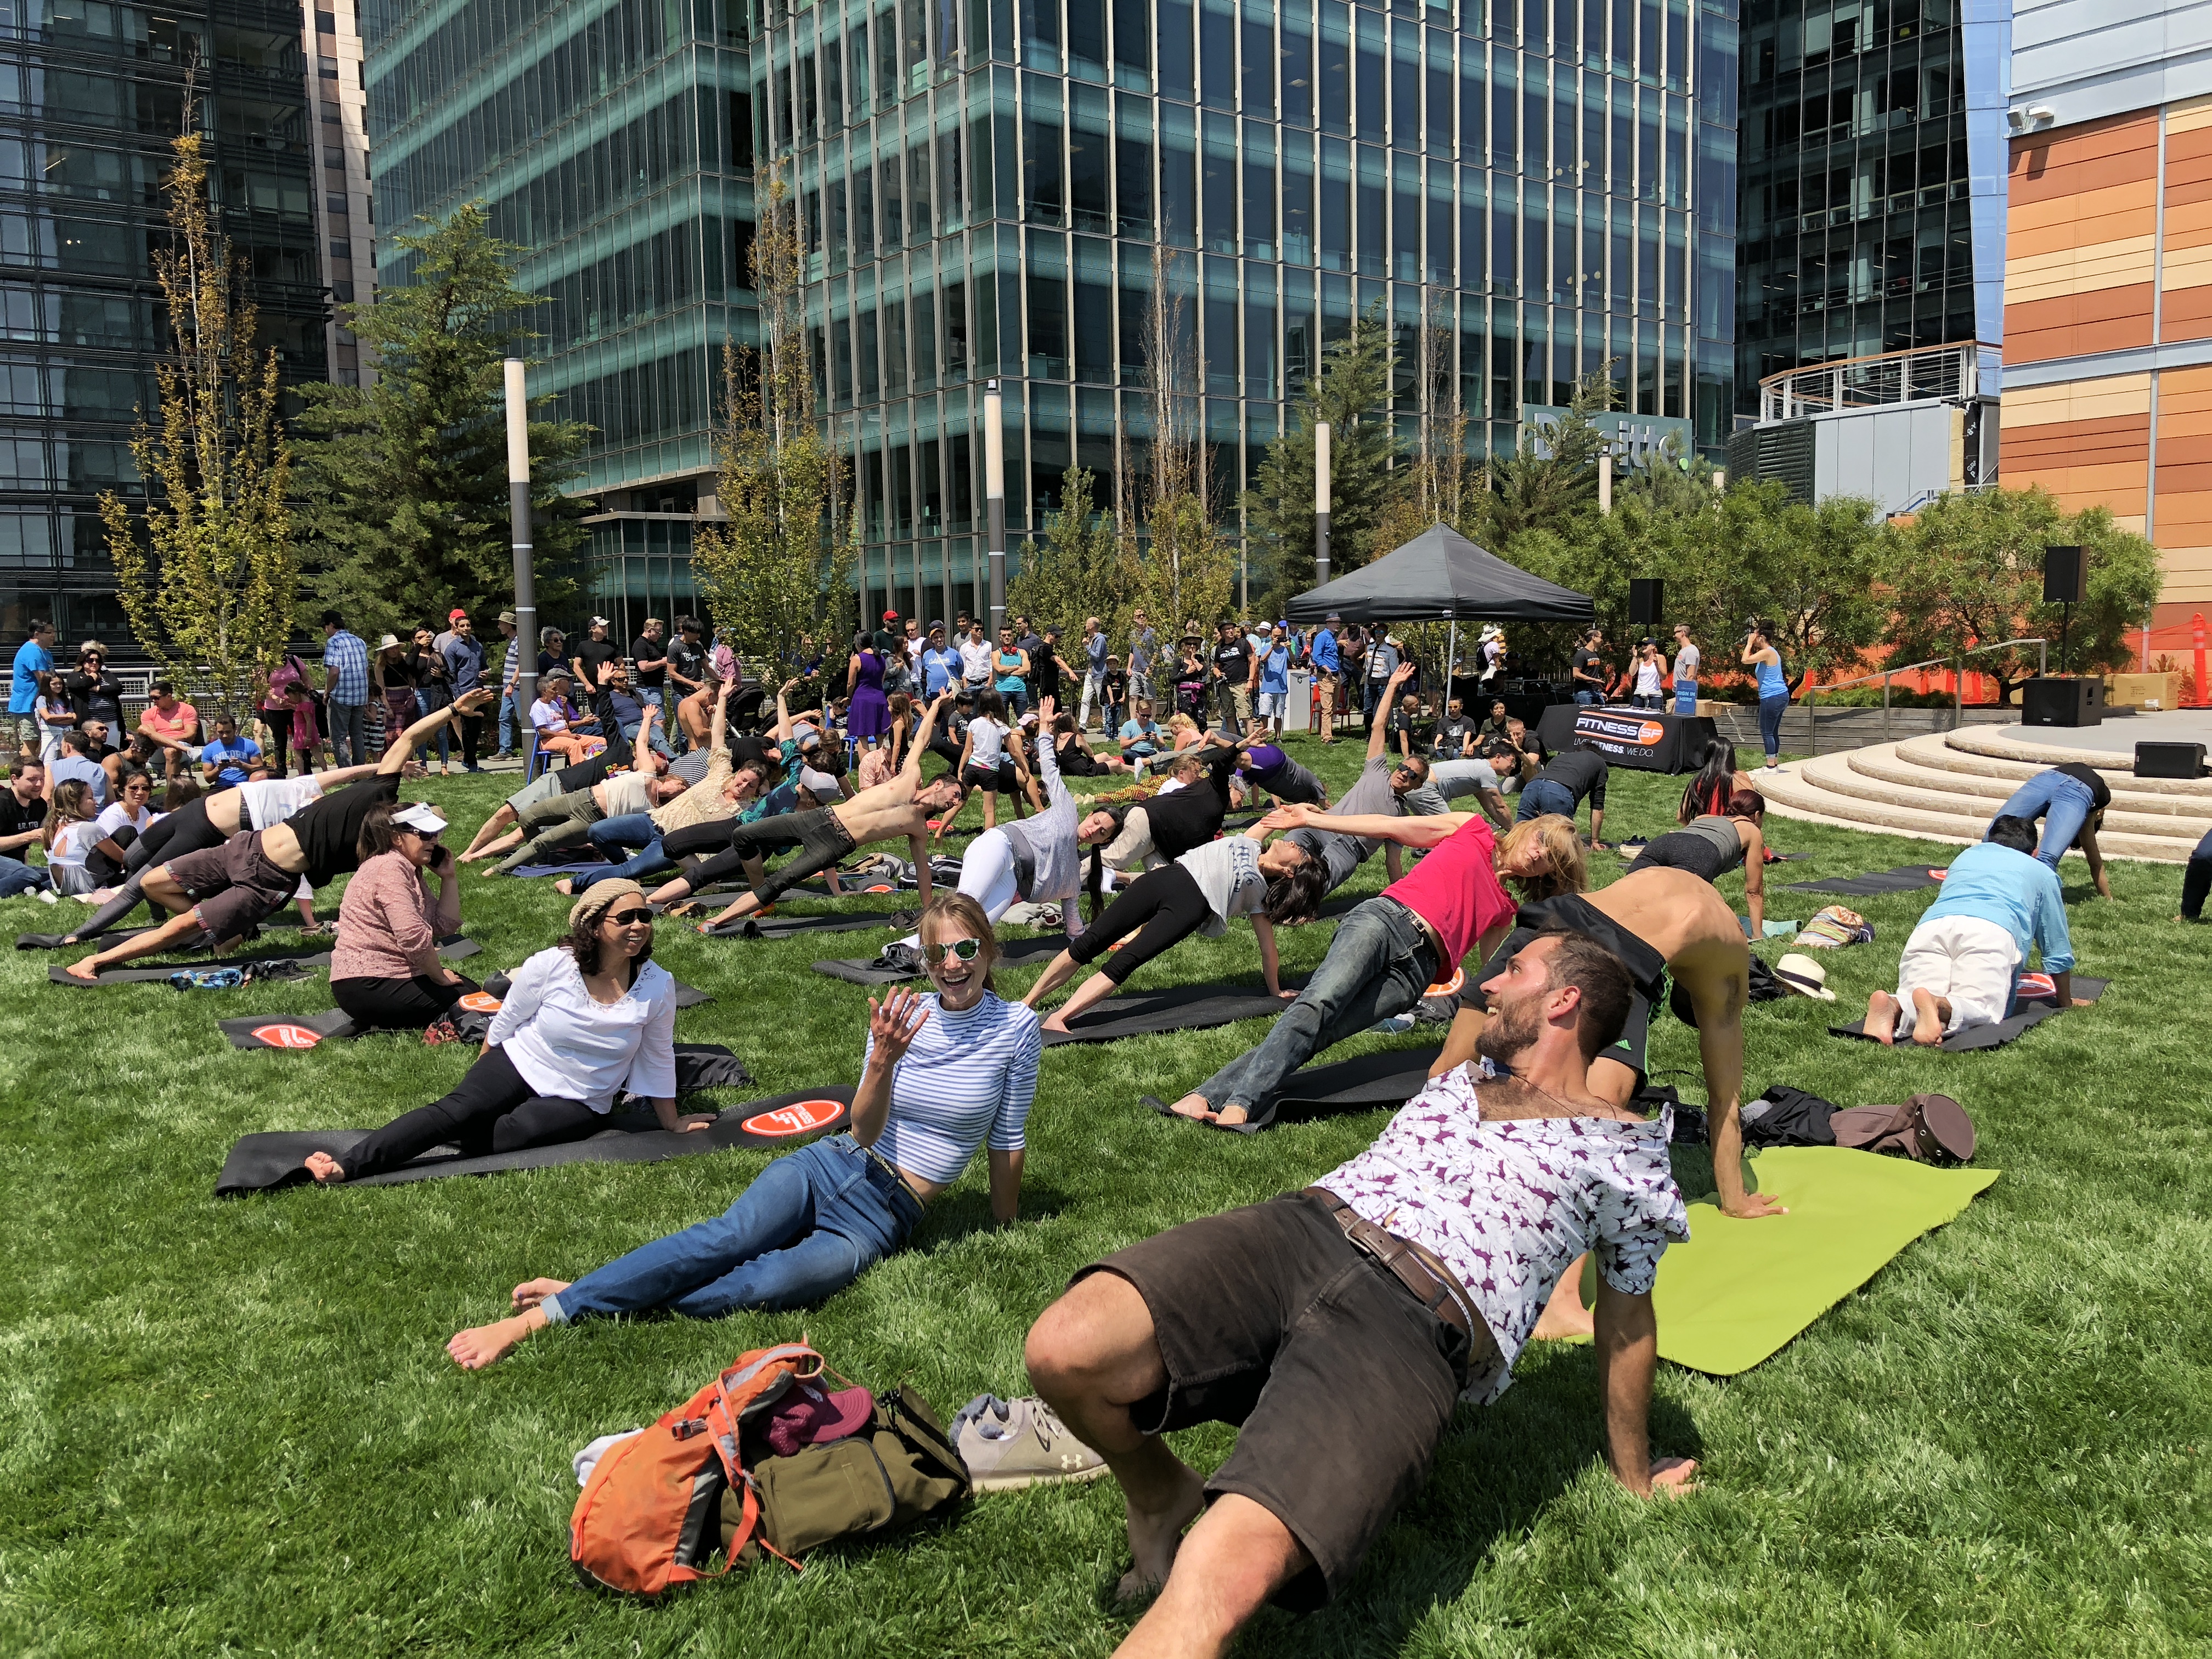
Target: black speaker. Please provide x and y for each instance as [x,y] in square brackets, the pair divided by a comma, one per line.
[2061,700]
[2065,576]
[2169,759]
[1646,600]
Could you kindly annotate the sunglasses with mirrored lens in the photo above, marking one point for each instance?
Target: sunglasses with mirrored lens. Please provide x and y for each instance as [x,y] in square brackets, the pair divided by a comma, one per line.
[965,948]
[632,918]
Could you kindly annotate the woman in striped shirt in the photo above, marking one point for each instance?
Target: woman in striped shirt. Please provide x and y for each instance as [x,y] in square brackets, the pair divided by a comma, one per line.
[947,1071]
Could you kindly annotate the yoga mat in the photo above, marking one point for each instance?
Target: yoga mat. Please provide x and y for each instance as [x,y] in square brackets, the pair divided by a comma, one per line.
[786,926]
[1012,953]
[58,941]
[154,973]
[1390,1079]
[1904,878]
[1739,1291]
[262,1162]
[1184,1008]
[561,867]
[2034,1001]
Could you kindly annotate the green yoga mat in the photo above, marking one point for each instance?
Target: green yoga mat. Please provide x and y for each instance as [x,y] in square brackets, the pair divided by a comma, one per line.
[1739,1291]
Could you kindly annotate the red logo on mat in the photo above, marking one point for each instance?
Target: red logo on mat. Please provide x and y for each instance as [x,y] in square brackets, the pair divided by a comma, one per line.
[2038,984]
[1449,987]
[480,1002]
[288,1036]
[796,1119]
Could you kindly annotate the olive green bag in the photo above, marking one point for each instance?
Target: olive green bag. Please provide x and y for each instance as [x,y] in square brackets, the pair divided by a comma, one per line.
[898,1470]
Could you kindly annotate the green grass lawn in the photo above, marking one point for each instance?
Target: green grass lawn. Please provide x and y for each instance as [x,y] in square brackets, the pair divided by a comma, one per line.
[231,1427]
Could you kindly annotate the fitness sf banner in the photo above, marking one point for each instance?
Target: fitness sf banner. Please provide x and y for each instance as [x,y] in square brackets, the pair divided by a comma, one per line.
[1644,740]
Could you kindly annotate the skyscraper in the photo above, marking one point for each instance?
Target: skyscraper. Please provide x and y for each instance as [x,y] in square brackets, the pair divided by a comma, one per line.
[338,106]
[90,97]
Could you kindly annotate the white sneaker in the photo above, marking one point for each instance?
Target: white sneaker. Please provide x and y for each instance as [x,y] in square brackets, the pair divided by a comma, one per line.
[1008,1444]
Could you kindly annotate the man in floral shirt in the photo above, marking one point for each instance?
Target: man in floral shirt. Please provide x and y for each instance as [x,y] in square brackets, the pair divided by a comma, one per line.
[1341,1326]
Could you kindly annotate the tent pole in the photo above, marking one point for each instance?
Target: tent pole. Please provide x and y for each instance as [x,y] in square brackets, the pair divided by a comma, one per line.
[1452,660]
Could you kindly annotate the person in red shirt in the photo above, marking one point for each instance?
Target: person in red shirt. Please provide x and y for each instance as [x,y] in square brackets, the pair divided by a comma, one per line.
[1389,951]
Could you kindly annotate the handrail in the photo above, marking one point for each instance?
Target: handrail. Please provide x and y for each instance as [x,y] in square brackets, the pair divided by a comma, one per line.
[1958,681]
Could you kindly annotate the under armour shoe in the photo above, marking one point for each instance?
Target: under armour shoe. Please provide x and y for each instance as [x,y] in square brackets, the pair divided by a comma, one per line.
[1010,1443]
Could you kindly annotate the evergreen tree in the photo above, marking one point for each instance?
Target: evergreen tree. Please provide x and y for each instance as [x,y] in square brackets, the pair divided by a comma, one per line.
[402,485]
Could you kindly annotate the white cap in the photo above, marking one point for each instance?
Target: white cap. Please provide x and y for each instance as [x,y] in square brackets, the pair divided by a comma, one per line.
[820,784]
[420,816]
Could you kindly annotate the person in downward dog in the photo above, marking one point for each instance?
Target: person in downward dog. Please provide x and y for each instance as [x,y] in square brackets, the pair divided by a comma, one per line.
[1714,843]
[947,1071]
[1407,1279]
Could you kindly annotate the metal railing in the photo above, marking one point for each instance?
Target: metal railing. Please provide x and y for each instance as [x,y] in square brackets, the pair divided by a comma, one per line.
[1958,682]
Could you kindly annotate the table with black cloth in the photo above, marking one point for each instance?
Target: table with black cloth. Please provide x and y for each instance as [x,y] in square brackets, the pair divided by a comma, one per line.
[1642,739]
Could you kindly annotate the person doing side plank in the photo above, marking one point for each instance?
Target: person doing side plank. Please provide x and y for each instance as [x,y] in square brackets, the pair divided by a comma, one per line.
[1385,787]
[566,820]
[946,1072]
[498,834]
[589,1017]
[1716,843]
[226,891]
[1388,951]
[1201,892]
[715,797]
[1407,1280]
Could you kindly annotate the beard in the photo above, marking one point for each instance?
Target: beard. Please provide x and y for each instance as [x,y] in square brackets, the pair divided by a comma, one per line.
[1510,1030]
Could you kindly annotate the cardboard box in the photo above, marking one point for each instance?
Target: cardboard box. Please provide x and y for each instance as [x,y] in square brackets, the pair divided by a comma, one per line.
[2142,690]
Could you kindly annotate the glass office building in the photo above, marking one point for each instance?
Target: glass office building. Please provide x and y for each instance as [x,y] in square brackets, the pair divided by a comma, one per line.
[612,141]
[91,94]
[982,185]
[1874,155]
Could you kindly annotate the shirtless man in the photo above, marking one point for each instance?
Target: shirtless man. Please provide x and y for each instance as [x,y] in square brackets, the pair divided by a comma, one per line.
[1655,921]
[229,891]
[901,807]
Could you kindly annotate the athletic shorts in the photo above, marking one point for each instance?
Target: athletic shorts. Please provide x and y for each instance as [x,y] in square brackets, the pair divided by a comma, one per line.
[1342,1384]
[1646,967]
[1000,779]
[235,887]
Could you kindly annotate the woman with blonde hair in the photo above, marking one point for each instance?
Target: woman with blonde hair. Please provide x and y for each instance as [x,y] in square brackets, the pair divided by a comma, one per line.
[1542,858]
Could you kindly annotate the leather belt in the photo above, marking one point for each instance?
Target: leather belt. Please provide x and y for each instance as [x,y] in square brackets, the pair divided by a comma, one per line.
[1434,1285]
[1429,932]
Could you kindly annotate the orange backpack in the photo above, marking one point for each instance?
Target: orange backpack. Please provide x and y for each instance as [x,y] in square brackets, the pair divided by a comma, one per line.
[651,1510]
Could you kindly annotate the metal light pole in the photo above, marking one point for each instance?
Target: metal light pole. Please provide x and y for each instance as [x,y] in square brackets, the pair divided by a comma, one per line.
[994,499]
[518,492]
[1320,502]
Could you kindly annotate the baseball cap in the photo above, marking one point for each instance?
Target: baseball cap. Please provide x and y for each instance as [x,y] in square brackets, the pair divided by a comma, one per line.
[820,783]
[455,613]
[598,621]
[809,1415]
[890,616]
[420,816]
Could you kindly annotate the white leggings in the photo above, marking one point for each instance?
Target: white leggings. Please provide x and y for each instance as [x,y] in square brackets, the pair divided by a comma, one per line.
[987,875]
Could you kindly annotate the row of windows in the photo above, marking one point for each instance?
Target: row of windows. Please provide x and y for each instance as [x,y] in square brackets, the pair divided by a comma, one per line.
[1810,193]
[1898,98]
[659,398]
[1859,331]
[671,269]
[1801,34]
[1928,260]
[81,392]
[29,460]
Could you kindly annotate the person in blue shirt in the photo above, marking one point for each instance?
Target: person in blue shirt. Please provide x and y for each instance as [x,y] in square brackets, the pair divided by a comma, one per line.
[941,668]
[34,659]
[1327,664]
[1141,737]
[1273,669]
[1961,962]
[230,759]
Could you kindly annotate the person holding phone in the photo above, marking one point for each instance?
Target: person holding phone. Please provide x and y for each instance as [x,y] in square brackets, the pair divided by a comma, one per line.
[385,972]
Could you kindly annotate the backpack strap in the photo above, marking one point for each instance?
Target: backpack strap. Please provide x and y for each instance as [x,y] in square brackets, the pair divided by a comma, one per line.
[755,1381]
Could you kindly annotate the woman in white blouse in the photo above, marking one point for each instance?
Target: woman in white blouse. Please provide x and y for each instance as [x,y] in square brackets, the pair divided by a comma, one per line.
[587,1019]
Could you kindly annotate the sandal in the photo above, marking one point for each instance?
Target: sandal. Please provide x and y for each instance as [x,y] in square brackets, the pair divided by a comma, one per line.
[443,1030]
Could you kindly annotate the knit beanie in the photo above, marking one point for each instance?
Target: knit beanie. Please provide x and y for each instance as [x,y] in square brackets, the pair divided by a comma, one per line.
[585,914]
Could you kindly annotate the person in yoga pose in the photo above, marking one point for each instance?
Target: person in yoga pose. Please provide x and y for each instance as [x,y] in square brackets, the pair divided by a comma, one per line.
[947,1071]
[1489,777]
[592,1017]
[385,973]
[1577,775]
[901,807]
[1964,955]
[1266,766]
[1202,891]
[2070,799]
[1402,1283]
[497,834]
[1717,778]
[1389,951]
[1386,787]
[227,891]
[1712,845]
[566,820]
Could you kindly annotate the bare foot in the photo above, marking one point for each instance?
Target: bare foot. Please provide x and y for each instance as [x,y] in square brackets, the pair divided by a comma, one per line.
[1230,1116]
[1881,1018]
[562,887]
[531,1291]
[1192,1106]
[1564,1315]
[1056,1023]
[88,970]
[486,1344]
[325,1168]
[1932,1016]
[1154,1536]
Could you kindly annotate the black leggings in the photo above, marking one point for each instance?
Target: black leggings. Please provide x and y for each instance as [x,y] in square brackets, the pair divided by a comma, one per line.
[104,871]
[1677,850]
[398,1005]
[279,722]
[820,835]
[1164,903]
[2196,880]
[184,830]
[493,1111]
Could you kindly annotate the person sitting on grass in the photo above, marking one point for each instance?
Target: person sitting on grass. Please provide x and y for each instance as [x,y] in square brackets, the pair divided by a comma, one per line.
[1963,957]
[385,972]
[945,1072]
[590,1018]
[227,759]
[126,818]
[72,828]
[226,892]
[1404,1281]
[1712,845]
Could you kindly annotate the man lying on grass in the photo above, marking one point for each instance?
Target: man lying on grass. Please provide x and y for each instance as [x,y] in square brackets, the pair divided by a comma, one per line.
[227,892]
[1406,1280]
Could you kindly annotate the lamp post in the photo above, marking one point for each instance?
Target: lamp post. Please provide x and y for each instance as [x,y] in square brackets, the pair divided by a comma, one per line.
[994,499]
[1320,502]
[518,494]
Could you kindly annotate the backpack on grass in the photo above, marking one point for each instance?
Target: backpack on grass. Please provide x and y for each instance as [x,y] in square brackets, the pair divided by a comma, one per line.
[897,1469]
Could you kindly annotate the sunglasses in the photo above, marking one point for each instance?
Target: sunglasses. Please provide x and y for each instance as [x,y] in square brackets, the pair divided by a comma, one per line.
[637,917]
[965,948]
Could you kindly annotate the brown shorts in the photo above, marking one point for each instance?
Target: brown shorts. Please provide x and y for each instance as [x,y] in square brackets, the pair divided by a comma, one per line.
[235,887]
[1269,1317]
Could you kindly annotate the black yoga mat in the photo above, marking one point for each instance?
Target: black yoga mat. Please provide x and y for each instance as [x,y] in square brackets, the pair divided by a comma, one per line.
[452,950]
[1904,878]
[2033,1007]
[1012,953]
[59,941]
[561,867]
[1183,1008]
[1387,1079]
[260,1162]
[786,926]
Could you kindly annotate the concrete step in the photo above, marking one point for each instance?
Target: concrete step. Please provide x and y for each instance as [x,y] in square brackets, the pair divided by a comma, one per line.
[1890,776]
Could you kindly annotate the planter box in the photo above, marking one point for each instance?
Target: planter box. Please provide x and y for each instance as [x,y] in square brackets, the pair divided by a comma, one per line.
[2142,690]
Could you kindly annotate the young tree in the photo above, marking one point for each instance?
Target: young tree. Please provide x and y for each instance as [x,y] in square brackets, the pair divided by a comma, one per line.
[1969,572]
[1079,570]
[779,569]
[210,588]
[1183,567]
[404,507]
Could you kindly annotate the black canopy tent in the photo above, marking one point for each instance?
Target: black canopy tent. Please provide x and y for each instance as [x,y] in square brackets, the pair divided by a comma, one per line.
[1441,576]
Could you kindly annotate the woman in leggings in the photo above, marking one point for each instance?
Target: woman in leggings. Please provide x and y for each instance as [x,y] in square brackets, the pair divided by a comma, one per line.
[1760,655]
[1202,891]
[1715,843]
[591,1018]
[385,973]
[947,1072]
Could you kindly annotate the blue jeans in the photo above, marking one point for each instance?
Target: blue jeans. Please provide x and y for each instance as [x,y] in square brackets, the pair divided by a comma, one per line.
[2063,803]
[810,1225]
[1648,699]
[660,744]
[17,877]
[1588,699]
[1544,795]
[1686,696]
[1770,710]
[507,721]
[348,733]
[613,835]
[429,697]
[1377,965]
